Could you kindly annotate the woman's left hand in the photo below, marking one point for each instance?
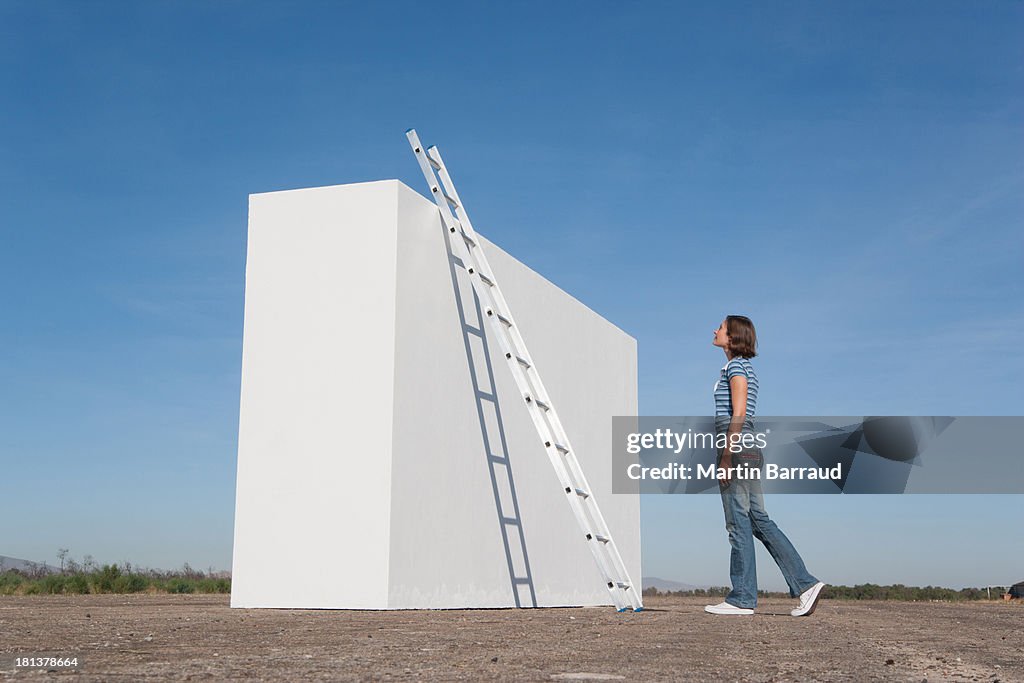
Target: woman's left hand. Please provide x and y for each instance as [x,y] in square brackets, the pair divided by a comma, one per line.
[726,464]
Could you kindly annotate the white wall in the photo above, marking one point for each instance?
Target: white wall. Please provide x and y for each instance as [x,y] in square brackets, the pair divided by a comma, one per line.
[314,443]
[396,339]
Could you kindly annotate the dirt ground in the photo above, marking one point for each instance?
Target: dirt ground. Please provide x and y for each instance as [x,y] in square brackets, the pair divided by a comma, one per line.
[199,638]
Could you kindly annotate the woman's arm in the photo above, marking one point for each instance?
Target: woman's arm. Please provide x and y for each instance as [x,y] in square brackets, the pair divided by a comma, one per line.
[738,396]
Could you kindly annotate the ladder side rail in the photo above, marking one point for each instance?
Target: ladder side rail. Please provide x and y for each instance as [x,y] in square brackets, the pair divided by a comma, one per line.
[540,391]
[605,565]
[569,473]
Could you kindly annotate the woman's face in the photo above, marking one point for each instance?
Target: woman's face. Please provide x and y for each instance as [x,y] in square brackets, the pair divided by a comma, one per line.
[721,336]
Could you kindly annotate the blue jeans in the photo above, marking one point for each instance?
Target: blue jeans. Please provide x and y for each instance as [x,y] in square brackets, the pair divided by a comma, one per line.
[745,519]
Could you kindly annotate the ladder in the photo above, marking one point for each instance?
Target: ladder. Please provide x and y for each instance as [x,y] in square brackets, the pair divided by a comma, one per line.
[466,245]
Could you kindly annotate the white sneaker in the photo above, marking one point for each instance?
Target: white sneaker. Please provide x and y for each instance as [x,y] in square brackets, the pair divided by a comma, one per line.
[726,608]
[808,600]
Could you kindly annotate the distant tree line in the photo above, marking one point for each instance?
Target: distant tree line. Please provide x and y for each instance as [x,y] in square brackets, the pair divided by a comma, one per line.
[78,578]
[864,591]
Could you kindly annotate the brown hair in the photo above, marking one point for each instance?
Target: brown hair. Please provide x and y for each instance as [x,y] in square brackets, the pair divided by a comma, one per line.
[742,337]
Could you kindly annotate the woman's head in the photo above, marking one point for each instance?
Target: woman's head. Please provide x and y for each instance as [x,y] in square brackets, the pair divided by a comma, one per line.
[737,336]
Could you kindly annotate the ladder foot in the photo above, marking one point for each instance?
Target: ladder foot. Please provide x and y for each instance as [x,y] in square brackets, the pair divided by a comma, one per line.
[622,609]
[638,609]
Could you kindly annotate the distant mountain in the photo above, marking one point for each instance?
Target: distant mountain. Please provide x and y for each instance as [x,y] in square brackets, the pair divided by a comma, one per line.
[24,565]
[666,585]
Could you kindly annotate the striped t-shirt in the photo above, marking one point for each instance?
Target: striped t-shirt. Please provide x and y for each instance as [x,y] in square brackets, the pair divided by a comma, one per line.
[723,397]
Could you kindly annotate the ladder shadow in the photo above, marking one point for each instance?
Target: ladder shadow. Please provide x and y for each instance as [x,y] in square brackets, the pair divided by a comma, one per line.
[499,464]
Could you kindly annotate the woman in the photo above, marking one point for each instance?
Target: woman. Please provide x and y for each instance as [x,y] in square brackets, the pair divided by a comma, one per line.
[745,516]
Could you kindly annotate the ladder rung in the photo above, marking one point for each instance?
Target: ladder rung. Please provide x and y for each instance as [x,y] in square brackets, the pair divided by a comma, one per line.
[561,448]
[433,162]
[451,200]
[491,311]
[486,279]
[580,492]
[521,579]
[522,361]
[469,240]
[621,584]
[545,406]
[601,539]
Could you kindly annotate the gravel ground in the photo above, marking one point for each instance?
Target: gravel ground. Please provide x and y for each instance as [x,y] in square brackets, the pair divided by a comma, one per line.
[192,637]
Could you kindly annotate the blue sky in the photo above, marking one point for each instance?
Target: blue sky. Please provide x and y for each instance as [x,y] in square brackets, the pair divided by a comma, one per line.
[863,161]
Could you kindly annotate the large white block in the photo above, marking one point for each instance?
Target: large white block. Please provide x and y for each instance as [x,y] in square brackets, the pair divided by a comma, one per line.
[385,457]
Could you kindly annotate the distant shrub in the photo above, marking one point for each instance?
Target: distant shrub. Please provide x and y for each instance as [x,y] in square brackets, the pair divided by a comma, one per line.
[52,584]
[103,580]
[77,584]
[213,586]
[9,582]
[130,583]
[180,585]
